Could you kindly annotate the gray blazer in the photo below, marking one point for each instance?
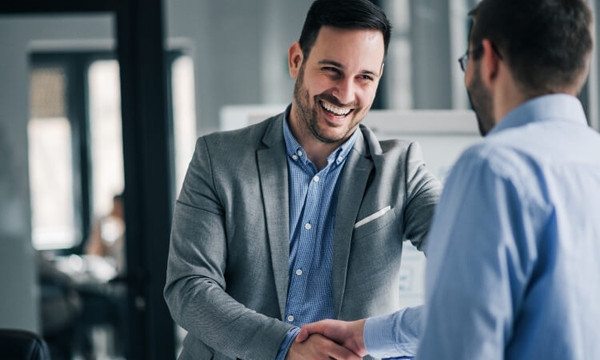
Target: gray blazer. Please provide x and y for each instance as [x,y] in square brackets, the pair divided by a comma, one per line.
[227,276]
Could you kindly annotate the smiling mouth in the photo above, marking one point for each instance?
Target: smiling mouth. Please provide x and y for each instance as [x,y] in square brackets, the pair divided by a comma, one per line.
[334,110]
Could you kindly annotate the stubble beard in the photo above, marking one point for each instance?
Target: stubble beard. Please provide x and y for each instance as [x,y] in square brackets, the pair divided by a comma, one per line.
[307,115]
[481,101]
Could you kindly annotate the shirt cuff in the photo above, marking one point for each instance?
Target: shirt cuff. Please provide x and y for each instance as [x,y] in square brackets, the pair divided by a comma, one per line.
[394,335]
[287,342]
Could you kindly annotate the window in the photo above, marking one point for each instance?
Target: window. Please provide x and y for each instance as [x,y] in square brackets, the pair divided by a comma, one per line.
[75,140]
[184,114]
[105,134]
[50,160]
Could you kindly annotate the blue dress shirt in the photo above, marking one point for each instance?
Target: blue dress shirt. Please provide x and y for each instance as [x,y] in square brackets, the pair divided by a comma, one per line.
[515,270]
[313,203]
[406,330]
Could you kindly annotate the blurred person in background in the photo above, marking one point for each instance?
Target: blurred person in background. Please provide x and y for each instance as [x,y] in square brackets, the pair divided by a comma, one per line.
[107,238]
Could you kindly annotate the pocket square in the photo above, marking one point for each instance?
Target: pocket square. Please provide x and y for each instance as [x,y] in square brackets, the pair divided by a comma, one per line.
[372,217]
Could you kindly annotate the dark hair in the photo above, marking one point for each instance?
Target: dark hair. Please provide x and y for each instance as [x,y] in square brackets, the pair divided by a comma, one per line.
[119,197]
[546,43]
[343,14]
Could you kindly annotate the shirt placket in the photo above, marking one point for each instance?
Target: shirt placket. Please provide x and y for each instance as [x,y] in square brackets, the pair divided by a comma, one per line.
[309,243]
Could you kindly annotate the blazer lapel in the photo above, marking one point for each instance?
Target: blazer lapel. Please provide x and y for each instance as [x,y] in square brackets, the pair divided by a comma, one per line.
[272,165]
[352,188]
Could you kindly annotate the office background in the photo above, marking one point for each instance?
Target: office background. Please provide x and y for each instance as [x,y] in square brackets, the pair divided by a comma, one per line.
[72,133]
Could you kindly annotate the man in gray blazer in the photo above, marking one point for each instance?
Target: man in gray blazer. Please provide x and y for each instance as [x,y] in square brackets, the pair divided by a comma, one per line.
[302,216]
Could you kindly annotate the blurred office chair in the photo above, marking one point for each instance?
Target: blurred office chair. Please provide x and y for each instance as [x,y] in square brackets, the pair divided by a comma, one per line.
[22,345]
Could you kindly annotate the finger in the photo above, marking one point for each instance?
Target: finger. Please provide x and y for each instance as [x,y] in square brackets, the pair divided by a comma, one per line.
[309,329]
[302,335]
[339,352]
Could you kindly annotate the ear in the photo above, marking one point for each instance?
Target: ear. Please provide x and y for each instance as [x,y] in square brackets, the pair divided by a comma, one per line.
[295,58]
[490,63]
[381,70]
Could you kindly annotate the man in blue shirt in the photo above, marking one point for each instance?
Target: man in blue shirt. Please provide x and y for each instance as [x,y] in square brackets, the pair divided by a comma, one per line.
[301,217]
[514,272]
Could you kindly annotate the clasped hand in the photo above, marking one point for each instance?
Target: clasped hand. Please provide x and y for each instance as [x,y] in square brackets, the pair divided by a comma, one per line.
[329,339]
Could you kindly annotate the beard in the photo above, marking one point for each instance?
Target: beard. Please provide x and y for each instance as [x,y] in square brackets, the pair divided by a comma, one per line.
[481,102]
[308,114]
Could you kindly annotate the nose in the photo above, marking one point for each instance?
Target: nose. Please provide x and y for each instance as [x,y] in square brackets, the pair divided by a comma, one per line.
[344,91]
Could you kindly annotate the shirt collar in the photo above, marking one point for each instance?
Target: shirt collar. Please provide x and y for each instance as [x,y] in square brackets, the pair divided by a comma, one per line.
[295,151]
[544,108]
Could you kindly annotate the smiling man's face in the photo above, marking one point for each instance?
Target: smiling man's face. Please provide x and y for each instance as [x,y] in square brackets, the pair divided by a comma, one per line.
[336,84]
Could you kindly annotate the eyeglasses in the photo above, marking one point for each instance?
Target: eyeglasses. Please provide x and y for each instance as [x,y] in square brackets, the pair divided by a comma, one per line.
[464,60]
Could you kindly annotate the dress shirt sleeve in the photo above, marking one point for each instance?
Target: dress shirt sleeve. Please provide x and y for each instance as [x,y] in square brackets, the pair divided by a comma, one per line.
[195,285]
[395,335]
[477,272]
[287,342]
[422,194]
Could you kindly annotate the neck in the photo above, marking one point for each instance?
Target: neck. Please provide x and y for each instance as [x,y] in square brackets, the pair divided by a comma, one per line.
[317,151]
[318,154]
[508,96]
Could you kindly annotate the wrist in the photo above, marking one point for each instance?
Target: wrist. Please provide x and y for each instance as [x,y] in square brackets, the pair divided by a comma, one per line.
[287,343]
[359,339]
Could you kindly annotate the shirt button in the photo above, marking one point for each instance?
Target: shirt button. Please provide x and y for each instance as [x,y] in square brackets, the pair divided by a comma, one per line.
[299,272]
[290,318]
[316,178]
[308,226]
[299,153]
[294,157]
[340,159]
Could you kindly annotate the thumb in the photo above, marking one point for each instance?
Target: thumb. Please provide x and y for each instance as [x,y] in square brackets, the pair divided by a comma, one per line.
[303,334]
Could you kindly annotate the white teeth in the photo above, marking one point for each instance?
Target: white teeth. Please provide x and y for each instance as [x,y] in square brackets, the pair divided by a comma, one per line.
[334,109]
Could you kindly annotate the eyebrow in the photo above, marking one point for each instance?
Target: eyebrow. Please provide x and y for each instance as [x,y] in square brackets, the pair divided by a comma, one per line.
[337,64]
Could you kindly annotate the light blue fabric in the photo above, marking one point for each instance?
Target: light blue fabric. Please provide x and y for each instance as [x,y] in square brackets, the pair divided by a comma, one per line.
[515,270]
[313,202]
[395,335]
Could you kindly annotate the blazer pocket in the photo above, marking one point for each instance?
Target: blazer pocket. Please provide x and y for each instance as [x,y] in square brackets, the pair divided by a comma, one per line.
[374,216]
[374,223]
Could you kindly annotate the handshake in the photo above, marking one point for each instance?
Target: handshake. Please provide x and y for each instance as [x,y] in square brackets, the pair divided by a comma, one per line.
[329,339]
[395,335]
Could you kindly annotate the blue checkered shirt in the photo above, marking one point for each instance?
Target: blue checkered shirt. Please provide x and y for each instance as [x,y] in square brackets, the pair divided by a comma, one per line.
[313,202]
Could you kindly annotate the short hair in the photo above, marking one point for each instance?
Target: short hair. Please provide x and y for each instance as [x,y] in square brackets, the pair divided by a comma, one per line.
[119,196]
[546,43]
[343,14]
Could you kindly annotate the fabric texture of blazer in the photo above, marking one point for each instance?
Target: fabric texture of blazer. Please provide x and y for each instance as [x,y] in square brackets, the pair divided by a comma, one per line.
[227,276]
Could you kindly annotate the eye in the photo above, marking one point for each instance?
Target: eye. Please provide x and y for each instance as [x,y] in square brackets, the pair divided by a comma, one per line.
[332,70]
[366,77]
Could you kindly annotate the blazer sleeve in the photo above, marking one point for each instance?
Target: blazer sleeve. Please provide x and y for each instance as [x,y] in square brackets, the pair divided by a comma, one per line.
[195,289]
[422,194]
